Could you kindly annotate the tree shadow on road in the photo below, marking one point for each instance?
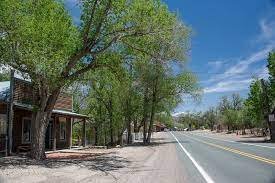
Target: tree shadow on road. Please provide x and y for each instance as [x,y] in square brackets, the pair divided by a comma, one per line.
[256,141]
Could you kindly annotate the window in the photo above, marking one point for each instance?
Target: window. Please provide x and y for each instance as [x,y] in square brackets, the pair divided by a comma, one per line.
[3,124]
[62,122]
[26,130]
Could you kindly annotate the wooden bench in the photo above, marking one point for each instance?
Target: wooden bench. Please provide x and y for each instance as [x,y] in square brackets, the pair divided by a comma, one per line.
[23,148]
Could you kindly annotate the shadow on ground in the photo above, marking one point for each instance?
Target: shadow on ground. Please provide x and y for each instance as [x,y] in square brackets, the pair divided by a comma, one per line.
[102,162]
[256,141]
[153,144]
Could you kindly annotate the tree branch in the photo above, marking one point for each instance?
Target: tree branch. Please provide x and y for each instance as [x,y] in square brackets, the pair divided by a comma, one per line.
[89,24]
[98,28]
[73,60]
[140,50]
[114,39]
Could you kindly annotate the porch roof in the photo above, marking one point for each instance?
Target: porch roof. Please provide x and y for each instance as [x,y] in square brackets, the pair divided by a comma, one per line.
[73,114]
[55,111]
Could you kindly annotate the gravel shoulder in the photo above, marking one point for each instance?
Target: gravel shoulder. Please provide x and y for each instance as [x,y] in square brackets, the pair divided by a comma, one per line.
[249,138]
[156,163]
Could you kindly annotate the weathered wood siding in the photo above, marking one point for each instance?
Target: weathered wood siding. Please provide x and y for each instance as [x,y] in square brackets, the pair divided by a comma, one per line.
[64,102]
[23,93]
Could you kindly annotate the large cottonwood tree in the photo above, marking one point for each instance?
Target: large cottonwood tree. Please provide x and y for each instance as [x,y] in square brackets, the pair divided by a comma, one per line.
[37,37]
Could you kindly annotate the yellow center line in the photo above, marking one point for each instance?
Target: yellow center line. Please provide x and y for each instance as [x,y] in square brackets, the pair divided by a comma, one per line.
[259,158]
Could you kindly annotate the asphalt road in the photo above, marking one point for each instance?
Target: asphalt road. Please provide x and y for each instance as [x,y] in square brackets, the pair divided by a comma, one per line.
[208,158]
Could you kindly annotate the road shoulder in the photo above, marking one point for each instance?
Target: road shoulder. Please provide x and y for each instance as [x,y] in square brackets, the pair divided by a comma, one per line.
[156,163]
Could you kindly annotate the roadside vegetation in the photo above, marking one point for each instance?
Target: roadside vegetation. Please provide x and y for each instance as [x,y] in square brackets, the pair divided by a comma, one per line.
[236,114]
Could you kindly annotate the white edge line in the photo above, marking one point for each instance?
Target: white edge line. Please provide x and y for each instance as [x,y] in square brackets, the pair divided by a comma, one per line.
[207,178]
[249,144]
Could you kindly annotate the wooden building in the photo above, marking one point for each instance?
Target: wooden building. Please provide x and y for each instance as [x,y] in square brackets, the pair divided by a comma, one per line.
[15,119]
[158,127]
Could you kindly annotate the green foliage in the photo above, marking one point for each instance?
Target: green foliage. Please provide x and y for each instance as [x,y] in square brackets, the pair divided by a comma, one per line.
[254,103]
[119,56]
[37,37]
[4,76]
[271,69]
[165,118]
[210,117]
[193,120]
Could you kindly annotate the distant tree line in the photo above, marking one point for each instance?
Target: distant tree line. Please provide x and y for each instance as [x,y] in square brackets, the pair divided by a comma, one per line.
[237,113]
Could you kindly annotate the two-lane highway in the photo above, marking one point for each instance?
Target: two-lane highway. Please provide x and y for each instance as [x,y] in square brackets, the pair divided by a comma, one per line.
[212,159]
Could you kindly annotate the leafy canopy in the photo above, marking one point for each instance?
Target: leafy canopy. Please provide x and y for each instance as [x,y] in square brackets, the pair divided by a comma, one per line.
[39,38]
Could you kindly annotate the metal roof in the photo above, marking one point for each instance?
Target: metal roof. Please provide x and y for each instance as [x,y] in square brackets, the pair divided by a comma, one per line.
[55,111]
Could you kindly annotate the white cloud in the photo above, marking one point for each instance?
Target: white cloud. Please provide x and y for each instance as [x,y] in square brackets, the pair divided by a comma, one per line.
[242,68]
[267,30]
[226,86]
[238,76]
[243,65]
[263,72]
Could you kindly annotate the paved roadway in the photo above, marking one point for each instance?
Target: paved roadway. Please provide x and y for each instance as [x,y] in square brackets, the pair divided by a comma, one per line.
[209,158]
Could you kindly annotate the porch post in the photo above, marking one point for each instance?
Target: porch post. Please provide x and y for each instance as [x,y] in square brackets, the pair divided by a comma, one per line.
[54,134]
[84,133]
[71,133]
[10,114]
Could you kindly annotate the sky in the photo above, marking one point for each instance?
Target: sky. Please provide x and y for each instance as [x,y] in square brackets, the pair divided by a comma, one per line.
[230,42]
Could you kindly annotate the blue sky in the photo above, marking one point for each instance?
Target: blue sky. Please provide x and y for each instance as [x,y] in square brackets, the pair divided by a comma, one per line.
[230,43]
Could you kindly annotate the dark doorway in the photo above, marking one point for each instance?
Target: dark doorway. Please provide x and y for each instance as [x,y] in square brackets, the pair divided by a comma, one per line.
[48,137]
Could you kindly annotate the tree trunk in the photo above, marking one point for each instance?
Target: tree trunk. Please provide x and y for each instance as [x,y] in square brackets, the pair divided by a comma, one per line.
[139,126]
[96,136]
[153,108]
[105,136]
[39,125]
[272,137]
[243,131]
[145,115]
[144,130]
[40,121]
[111,132]
[148,140]
[129,139]
[212,126]
[136,126]
[120,140]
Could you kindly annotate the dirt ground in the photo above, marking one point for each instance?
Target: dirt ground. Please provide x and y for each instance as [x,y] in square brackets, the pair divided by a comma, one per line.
[128,164]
